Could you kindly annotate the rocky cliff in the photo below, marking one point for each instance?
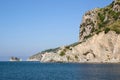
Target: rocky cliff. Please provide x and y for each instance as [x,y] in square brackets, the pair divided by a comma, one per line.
[99,19]
[99,39]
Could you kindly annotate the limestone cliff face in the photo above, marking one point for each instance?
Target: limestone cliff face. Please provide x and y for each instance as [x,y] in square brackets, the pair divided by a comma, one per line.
[88,23]
[101,48]
[99,39]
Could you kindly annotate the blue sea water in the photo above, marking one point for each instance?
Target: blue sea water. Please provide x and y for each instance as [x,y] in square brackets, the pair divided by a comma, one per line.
[58,71]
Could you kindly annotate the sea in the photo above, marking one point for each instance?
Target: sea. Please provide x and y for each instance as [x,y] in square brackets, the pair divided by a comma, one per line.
[58,71]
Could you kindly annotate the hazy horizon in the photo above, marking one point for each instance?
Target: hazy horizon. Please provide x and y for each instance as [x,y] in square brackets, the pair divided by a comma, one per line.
[30,26]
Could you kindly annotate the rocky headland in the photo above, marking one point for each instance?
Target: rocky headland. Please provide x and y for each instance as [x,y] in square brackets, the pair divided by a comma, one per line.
[99,39]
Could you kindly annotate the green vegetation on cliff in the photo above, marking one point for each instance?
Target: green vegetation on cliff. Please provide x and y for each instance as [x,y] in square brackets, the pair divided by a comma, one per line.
[62,53]
[108,19]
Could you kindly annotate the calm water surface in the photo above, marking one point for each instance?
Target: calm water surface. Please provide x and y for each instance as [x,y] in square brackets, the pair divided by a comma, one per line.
[58,71]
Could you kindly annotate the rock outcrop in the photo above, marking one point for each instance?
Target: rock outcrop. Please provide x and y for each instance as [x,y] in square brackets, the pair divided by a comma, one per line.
[89,23]
[99,39]
[15,59]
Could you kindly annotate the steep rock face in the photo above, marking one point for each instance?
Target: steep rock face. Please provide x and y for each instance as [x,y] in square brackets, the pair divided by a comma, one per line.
[99,39]
[99,19]
[88,23]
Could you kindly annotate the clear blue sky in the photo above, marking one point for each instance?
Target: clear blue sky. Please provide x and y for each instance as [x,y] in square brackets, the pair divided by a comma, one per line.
[30,26]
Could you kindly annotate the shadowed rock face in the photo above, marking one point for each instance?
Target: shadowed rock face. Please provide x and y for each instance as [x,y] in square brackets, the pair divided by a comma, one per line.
[99,39]
[116,6]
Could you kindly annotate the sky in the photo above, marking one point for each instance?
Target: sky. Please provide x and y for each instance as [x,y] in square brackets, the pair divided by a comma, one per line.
[30,26]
